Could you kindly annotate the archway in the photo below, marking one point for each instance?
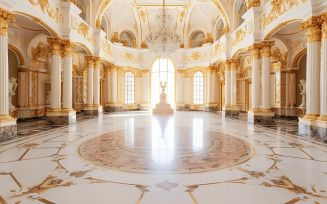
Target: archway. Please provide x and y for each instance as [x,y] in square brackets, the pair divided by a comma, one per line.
[163,70]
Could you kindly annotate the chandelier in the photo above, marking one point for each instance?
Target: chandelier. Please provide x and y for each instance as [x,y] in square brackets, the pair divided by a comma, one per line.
[164,41]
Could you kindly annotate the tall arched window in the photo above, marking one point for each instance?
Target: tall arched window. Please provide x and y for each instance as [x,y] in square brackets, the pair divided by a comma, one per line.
[198,88]
[129,88]
[163,70]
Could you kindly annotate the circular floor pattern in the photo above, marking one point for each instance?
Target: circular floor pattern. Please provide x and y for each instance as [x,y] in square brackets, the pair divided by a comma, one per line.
[173,150]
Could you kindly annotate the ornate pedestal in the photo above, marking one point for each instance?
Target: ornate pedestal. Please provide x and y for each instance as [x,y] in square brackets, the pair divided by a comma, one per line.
[92,110]
[258,117]
[113,108]
[163,107]
[61,117]
[8,127]
[313,128]
[231,111]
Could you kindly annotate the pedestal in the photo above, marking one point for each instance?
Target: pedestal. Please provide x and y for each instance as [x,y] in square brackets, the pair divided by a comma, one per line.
[113,108]
[211,108]
[92,110]
[61,117]
[258,117]
[8,128]
[163,108]
[313,128]
[231,111]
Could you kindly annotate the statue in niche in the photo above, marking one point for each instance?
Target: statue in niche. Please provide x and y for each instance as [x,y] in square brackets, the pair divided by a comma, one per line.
[303,92]
[163,95]
[12,89]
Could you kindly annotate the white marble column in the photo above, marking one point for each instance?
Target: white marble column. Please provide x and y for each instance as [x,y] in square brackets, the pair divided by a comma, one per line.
[227,84]
[108,92]
[233,64]
[68,47]
[323,72]
[145,104]
[179,94]
[208,86]
[114,84]
[214,85]
[96,82]
[266,52]
[255,48]
[313,29]
[90,65]
[55,103]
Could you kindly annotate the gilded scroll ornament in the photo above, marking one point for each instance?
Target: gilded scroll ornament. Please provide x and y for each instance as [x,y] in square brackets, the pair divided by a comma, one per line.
[55,44]
[40,52]
[209,38]
[5,18]
[279,7]
[106,48]
[84,30]
[239,36]
[277,56]
[46,7]
[312,26]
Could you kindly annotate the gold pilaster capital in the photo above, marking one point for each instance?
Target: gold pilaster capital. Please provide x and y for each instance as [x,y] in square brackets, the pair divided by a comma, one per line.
[145,71]
[5,17]
[323,19]
[180,71]
[97,62]
[55,44]
[313,28]
[234,63]
[266,48]
[68,47]
[255,49]
[227,65]
[252,3]
[89,60]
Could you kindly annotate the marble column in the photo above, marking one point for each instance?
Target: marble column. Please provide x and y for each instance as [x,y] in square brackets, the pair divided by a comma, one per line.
[108,92]
[310,124]
[227,84]
[114,106]
[266,52]
[96,82]
[214,90]
[145,104]
[323,72]
[180,106]
[89,108]
[8,125]
[208,88]
[230,109]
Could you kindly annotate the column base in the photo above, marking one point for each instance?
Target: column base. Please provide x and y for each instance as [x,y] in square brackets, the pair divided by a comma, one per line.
[313,128]
[230,111]
[145,107]
[92,110]
[211,108]
[259,117]
[8,128]
[64,117]
[113,108]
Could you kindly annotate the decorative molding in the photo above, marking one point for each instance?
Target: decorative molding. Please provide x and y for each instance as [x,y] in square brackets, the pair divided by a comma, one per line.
[5,18]
[239,36]
[46,7]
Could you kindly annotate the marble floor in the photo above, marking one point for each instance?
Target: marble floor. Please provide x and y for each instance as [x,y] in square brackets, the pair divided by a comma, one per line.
[137,157]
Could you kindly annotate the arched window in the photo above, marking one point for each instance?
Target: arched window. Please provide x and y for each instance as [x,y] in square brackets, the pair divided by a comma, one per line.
[198,88]
[129,88]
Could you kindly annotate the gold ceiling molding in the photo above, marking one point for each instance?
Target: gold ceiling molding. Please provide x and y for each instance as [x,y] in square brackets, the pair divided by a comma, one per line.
[39,21]
[279,26]
[298,56]
[239,36]
[46,7]
[19,54]
[279,7]
[223,13]
[100,13]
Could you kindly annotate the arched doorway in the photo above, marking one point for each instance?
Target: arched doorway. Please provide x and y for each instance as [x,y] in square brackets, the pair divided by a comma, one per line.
[163,70]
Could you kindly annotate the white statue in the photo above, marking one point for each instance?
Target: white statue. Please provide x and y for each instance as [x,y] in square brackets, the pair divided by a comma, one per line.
[12,89]
[163,107]
[163,95]
[303,92]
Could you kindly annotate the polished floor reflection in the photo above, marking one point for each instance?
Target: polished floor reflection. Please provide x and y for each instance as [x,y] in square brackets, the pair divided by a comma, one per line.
[135,157]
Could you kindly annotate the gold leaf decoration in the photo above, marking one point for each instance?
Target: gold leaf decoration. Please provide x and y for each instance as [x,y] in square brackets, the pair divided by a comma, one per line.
[46,7]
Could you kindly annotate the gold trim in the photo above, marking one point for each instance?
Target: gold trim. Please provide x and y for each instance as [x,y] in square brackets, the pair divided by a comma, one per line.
[2,201]
[279,26]
[311,116]
[19,54]
[297,57]
[323,118]
[85,48]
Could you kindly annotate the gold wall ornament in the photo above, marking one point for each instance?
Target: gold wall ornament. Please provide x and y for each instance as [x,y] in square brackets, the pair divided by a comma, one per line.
[239,36]
[312,26]
[144,45]
[5,18]
[218,48]
[106,48]
[279,7]
[143,16]
[68,47]
[84,30]
[130,57]
[234,63]
[227,65]
[226,29]
[115,37]
[55,44]
[277,56]
[41,51]
[182,45]
[209,38]
[196,56]
[252,3]
[266,48]
[181,16]
[255,49]
[46,7]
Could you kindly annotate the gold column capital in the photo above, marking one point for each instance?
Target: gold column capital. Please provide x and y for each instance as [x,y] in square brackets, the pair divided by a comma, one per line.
[114,68]
[5,17]
[255,49]
[68,47]
[252,3]
[89,60]
[55,44]
[323,19]
[227,65]
[97,62]
[234,63]
[313,28]
[266,48]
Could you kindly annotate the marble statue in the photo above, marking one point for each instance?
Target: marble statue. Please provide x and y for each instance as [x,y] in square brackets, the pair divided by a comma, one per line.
[12,89]
[303,92]
[163,107]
